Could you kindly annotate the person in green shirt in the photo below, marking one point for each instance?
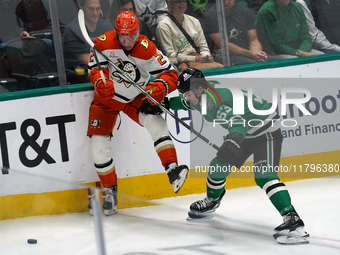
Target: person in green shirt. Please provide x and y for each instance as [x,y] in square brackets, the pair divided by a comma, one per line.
[282,29]
[263,141]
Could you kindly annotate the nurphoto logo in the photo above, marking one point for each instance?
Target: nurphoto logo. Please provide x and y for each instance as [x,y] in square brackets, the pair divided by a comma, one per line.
[238,105]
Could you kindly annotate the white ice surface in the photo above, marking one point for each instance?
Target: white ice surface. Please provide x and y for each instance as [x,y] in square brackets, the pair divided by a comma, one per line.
[243,224]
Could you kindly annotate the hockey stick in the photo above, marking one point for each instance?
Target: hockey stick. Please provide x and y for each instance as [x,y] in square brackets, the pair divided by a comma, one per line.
[81,21]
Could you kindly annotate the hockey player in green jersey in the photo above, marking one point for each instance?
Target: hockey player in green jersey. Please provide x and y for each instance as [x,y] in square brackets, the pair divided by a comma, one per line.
[264,142]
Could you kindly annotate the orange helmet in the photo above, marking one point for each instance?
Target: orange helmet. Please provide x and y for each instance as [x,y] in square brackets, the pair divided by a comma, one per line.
[126,24]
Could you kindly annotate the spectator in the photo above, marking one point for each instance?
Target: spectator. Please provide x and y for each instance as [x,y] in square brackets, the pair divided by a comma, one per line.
[326,16]
[255,5]
[34,18]
[282,29]
[105,7]
[244,47]
[151,12]
[176,45]
[198,9]
[129,6]
[319,40]
[33,15]
[76,50]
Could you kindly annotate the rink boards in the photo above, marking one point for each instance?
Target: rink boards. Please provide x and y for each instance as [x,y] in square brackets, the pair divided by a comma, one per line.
[44,143]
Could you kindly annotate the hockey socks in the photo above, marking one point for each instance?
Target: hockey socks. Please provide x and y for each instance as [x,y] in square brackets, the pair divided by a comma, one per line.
[277,193]
[215,188]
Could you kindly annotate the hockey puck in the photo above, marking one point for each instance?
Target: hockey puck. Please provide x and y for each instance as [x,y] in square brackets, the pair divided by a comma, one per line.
[32,241]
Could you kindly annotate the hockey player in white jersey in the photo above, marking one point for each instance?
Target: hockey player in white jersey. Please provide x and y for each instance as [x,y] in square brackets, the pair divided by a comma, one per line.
[138,57]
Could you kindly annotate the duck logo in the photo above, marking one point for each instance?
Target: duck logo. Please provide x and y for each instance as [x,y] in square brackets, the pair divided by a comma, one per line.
[95,123]
[129,69]
[145,44]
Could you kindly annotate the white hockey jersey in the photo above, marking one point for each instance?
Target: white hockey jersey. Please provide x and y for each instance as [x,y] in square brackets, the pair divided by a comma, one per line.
[143,61]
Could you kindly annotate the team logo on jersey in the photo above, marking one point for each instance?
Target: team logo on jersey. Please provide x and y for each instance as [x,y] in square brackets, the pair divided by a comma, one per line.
[129,69]
[145,43]
[102,38]
[210,103]
[95,123]
[113,54]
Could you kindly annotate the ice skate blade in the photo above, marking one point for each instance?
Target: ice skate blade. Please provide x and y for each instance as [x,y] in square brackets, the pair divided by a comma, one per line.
[297,236]
[291,240]
[110,212]
[194,215]
[298,232]
[208,217]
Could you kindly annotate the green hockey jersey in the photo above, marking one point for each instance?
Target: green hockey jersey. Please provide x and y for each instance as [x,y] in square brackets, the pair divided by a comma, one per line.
[248,124]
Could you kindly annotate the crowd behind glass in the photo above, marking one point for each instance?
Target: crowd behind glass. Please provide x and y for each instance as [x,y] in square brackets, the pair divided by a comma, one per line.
[29,60]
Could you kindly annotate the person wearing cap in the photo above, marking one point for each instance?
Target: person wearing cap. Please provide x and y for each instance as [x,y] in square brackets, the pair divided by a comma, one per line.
[139,59]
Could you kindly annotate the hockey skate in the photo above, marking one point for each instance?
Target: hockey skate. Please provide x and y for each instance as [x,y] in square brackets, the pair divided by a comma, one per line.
[177,175]
[292,230]
[110,201]
[204,208]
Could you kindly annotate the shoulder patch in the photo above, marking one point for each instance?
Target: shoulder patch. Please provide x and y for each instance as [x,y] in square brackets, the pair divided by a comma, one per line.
[102,38]
[145,43]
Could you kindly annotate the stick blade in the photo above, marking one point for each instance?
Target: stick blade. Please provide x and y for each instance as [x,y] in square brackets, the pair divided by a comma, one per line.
[81,20]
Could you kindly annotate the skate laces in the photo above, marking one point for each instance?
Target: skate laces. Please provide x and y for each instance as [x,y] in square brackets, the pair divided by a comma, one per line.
[108,194]
[204,203]
[171,167]
[290,217]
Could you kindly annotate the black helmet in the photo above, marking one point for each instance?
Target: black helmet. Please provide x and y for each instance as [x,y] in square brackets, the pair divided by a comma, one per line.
[185,80]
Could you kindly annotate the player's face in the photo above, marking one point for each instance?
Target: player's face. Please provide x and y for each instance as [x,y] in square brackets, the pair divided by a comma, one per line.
[128,42]
[92,11]
[191,97]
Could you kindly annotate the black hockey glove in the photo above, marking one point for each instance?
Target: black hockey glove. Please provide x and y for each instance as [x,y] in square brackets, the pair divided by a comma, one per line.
[147,108]
[230,149]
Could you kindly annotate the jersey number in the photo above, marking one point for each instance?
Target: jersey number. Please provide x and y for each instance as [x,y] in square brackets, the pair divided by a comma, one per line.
[222,112]
[160,59]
